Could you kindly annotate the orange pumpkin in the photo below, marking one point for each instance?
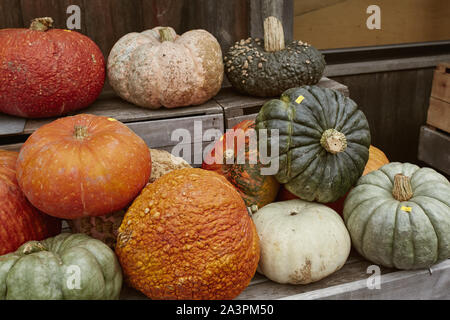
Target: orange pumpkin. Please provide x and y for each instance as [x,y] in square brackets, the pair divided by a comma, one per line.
[83,165]
[377,159]
[188,236]
[19,220]
[255,189]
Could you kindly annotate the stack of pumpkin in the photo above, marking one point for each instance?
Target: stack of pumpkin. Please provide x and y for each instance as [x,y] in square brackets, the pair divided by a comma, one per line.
[176,232]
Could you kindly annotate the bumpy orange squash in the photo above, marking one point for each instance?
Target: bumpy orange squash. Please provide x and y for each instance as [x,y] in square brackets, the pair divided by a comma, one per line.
[255,188]
[188,236]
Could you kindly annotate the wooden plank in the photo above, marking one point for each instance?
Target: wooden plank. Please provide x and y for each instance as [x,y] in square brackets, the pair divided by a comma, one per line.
[282,9]
[10,14]
[396,105]
[365,67]
[10,125]
[439,114]
[328,24]
[157,133]
[127,112]
[403,285]
[434,149]
[11,147]
[441,83]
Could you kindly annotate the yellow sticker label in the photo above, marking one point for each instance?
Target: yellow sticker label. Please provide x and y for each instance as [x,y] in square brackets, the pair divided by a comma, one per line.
[112,119]
[67,30]
[300,99]
[406,209]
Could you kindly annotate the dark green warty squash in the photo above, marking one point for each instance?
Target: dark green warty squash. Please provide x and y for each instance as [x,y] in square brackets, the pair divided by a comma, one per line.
[66,267]
[399,216]
[258,68]
[324,141]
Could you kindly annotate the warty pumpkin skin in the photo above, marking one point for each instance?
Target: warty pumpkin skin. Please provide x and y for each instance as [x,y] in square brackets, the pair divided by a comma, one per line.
[83,165]
[301,242]
[19,220]
[188,236]
[256,189]
[160,68]
[377,159]
[323,141]
[399,216]
[267,67]
[48,72]
[48,270]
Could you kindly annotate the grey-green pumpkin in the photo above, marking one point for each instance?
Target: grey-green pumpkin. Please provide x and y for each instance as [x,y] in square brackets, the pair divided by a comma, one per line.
[257,68]
[399,216]
[65,267]
[324,141]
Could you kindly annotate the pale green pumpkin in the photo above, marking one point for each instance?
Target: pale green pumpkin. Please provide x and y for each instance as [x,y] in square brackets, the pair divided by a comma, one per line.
[399,216]
[66,267]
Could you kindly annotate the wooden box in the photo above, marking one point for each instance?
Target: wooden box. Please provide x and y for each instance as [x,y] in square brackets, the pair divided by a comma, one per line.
[155,127]
[238,107]
[439,110]
[434,148]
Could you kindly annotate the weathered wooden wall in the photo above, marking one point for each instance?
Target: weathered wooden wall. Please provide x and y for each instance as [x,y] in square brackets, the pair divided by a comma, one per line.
[105,21]
[395,104]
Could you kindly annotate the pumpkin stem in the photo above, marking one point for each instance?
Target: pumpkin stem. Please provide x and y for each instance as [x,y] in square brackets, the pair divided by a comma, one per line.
[402,190]
[32,247]
[333,141]
[165,35]
[80,132]
[41,24]
[273,34]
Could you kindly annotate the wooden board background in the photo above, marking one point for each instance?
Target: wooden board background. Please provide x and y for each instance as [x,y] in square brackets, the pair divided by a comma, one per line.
[395,104]
[329,24]
[105,21]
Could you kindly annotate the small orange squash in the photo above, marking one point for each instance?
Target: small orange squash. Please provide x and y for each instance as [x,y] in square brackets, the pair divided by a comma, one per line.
[255,188]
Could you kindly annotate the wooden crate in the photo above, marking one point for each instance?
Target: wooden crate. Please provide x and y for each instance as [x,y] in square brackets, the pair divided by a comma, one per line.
[434,148]
[155,127]
[239,107]
[439,109]
[350,282]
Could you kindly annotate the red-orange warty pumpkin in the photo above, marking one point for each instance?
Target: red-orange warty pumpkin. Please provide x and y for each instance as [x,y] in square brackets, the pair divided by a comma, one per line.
[48,72]
[254,188]
[377,159]
[83,165]
[19,220]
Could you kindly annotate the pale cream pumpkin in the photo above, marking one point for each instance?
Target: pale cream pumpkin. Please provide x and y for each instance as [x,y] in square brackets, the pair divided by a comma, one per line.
[301,242]
[160,68]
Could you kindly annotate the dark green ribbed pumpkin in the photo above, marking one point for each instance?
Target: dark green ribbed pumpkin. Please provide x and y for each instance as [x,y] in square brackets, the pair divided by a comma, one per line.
[65,267]
[262,70]
[399,216]
[324,141]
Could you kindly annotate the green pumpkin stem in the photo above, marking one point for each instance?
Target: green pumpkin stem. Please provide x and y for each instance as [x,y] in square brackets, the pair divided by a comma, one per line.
[41,24]
[333,141]
[80,132]
[165,35]
[32,247]
[273,34]
[402,190]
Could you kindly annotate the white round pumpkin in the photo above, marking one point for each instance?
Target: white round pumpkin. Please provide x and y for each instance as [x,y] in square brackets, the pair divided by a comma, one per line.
[160,68]
[301,242]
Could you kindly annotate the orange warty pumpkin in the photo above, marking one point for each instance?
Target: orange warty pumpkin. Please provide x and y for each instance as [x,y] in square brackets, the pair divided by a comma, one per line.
[377,159]
[255,189]
[83,165]
[19,220]
[188,236]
